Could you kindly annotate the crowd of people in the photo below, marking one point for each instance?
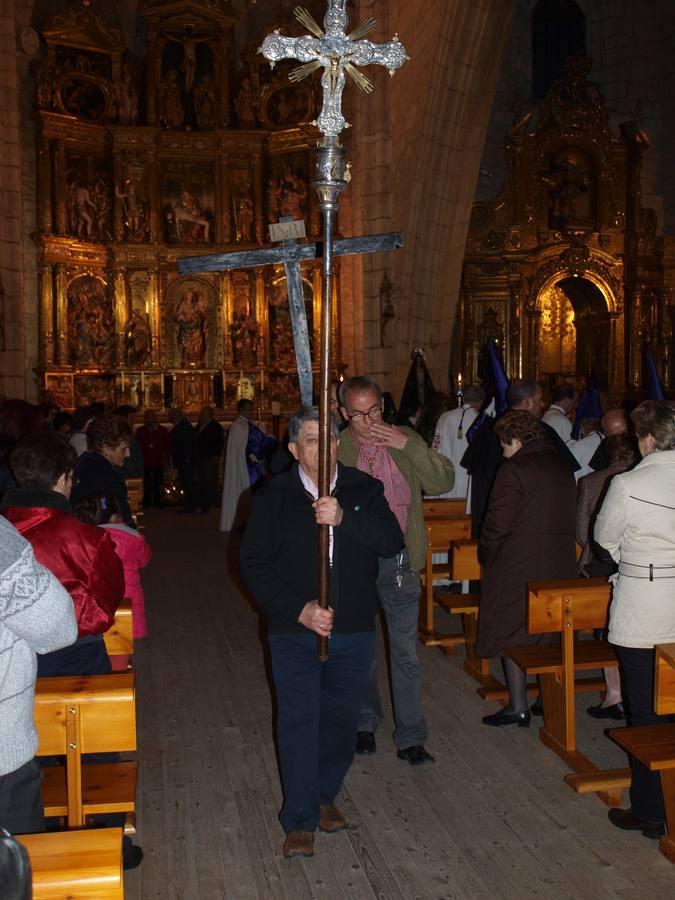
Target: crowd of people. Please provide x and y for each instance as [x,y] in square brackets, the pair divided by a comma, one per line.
[534,491]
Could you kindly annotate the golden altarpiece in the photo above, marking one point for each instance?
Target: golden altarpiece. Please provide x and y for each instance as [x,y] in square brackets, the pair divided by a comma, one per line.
[564,270]
[145,160]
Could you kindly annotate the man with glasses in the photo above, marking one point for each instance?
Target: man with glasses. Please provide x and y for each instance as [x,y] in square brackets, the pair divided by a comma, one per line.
[407,468]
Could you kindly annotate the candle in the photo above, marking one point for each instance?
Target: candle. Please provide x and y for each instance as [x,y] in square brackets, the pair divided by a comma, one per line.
[459,379]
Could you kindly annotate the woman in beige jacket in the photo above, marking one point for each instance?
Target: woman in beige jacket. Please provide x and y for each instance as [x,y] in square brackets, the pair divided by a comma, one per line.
[636,524]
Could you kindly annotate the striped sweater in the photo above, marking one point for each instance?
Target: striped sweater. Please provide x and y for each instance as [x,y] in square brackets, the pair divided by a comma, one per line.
[36,616]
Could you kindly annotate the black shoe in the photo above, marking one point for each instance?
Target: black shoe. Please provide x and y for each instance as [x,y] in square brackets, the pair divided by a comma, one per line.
[415,755]
[537,708]
[616,711]
[628,821]
[365,743]
[501,718]
[132,855]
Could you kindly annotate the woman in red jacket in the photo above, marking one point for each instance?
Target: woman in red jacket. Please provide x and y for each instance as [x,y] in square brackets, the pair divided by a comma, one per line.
[81,556]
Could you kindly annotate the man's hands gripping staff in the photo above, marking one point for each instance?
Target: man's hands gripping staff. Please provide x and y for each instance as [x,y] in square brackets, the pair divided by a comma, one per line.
[328,512]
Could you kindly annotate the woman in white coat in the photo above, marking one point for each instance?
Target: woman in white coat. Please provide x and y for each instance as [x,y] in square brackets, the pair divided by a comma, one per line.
[636,525]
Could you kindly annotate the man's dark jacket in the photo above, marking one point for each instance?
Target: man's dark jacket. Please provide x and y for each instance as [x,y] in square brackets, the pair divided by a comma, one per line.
[279,552]
[183,443]
[210,440]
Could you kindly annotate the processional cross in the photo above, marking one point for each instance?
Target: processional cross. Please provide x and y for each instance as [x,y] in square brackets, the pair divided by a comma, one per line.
[338,54]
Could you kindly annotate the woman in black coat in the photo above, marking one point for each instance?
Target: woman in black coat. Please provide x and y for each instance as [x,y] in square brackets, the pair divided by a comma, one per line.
[99,469]
[528,534]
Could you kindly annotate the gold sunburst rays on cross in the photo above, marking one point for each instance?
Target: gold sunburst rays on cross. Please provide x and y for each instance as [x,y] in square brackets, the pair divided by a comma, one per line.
[360,79]
[301,72]
[305,18]
[362,30]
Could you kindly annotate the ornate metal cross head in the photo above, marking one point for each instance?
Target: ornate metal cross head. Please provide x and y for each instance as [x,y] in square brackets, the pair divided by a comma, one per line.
[337,53]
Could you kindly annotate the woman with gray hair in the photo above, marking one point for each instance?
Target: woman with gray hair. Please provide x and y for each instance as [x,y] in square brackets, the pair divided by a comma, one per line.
[636,525]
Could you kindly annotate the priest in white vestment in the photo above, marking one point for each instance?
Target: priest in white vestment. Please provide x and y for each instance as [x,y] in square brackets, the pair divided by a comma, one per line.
[236,479]
[450,438]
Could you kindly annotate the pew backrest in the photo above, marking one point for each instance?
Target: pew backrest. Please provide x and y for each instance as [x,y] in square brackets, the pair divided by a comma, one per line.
[567,605]
[119,638]
[434,508]
[85,714]
[464,564]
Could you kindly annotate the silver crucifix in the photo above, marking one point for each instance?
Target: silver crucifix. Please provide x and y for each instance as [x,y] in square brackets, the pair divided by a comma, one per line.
[336,52]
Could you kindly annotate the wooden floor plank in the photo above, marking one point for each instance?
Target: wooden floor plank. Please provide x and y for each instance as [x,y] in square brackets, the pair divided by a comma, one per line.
[491,819]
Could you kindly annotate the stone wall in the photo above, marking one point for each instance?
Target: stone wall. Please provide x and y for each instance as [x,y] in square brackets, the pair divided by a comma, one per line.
[17,192]
[416,146]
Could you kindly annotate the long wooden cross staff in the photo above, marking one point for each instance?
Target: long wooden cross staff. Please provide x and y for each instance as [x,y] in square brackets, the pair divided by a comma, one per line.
[337,53]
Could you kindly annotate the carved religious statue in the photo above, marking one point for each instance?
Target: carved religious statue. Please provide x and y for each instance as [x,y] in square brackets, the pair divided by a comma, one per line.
[137,339]
[188,210]
[171,109]
[246,104]
[191,328]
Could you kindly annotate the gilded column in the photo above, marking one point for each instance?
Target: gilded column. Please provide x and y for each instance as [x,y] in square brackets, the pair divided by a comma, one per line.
[46,316]
[62,316]
[154,196]
[152,310]
[635,342]
[226,313]
[258,195]
[61,189]
[316,305]
[121,314]
[45,188]
[262,318]
[515,330]
[533,355]
[153,71]
[615,353]
[226,199]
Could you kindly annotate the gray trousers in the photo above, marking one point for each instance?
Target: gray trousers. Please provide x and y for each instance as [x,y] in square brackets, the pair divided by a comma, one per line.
[399,590]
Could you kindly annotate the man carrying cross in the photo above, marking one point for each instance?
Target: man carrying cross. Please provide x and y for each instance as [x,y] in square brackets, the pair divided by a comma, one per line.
[318,703]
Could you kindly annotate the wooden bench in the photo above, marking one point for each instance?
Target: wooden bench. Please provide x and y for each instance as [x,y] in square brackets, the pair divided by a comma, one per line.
[119,638]
[441,532]
[82,865]
[87,714]
[565,607]
[654,745]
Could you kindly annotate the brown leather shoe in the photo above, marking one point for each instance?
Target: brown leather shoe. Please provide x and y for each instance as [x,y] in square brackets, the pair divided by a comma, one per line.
[299,843]
[331,819]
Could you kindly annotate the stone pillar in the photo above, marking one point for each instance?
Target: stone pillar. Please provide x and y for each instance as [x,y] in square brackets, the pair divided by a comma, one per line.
[61,316]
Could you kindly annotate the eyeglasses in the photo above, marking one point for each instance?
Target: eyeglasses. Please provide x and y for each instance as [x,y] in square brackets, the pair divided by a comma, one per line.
[375,412]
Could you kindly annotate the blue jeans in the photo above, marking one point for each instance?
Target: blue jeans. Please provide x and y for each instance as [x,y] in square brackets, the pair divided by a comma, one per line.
[399,589]
[317,713]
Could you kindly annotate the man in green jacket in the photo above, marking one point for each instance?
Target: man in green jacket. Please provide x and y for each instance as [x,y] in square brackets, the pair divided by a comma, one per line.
[407,468]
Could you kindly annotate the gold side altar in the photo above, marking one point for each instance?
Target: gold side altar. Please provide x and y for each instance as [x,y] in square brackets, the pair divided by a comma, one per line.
[564,270]
[143,161]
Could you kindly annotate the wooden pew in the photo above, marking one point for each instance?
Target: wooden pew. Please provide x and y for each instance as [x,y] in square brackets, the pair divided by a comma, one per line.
[87,714]
[435,508]
[119,638]
[82,865]
[441,532]
[564,607]
[654,745]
